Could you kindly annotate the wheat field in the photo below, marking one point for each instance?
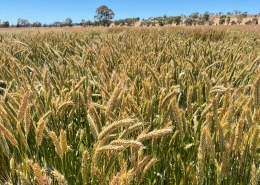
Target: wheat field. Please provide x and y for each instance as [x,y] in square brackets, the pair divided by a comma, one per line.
[126,106]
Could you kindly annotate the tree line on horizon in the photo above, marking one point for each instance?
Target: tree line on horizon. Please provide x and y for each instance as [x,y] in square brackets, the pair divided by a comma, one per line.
[104,17]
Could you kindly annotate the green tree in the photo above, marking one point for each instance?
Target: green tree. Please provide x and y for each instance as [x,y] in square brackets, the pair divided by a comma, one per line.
[22,23]
[36,24]
[206,16]
[82,23]
[5,24]
[255,20]
[194,15]
[237,12]
[245,14]
[68,22]
[248,22]
[240,18]
[177,20]
[104,15]
[222,19]
[233,22]
[57,24]
[89,23]
[228,20]
[188,22]
[170,20]
[96,23]
[160,21]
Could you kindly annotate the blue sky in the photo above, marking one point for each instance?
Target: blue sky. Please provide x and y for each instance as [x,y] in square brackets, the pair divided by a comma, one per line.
[48,11]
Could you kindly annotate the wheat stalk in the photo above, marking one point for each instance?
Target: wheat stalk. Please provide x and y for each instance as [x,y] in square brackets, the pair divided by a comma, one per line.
[8,135]
[63,142]
[113,98]
[59,177]
[56,143]
[37,172]
[110,128]
[39,131]
[23,106]
[154,134]
[4,146]
[257,93]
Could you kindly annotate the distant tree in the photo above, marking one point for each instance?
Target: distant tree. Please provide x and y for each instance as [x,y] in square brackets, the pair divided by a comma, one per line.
[237,12]
[228,20]
[104,15]
[25,23]
[36,24]
[82,23]
[117,22]
[206,16]
[233,22]
[5,24]
[177,20]
[254,20]
[229,13]
[245,14]
[248,22]
[170,20]
[160,21]
[131,21]
[211,22]
[22,23]
[89,23]
[222,19]
[138,18]
[188,22]
[194,15]
[96,23]
[57,24]
[68,22]
[200,21]
[157,18]
[19,22]
[240,18]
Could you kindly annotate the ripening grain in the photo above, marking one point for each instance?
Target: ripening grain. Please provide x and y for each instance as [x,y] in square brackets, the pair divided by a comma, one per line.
[130,106]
